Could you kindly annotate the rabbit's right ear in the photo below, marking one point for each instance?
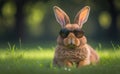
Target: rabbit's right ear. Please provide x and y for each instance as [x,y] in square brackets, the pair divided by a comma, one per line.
[61,17]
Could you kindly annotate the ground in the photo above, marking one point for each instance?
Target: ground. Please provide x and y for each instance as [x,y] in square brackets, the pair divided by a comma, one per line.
[39,61]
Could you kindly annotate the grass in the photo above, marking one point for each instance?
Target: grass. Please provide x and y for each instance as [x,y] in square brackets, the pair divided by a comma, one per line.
[39,61]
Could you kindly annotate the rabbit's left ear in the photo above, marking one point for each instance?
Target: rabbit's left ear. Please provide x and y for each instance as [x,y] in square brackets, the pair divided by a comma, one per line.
[82,16]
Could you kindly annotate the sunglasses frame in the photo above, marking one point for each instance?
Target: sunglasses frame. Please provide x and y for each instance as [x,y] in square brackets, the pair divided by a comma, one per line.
[65,32]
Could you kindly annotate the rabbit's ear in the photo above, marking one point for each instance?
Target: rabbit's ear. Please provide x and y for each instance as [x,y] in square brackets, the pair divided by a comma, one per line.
[61,17]
[82,16]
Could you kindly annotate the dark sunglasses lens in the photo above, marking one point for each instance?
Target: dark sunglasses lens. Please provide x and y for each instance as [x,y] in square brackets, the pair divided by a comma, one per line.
[78,33]
[64,33]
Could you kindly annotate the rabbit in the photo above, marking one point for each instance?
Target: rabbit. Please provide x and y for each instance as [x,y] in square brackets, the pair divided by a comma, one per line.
[72,47]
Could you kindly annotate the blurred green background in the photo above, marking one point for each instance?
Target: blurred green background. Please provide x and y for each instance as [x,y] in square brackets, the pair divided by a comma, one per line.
[33,21]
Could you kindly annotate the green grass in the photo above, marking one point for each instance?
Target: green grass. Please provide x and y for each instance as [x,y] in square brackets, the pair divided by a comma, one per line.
[39,61]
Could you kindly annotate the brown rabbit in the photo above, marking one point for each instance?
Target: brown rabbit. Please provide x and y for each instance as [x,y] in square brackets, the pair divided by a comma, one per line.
[72,47]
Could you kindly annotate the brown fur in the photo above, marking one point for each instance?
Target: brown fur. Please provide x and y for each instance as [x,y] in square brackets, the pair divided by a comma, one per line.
[82,54]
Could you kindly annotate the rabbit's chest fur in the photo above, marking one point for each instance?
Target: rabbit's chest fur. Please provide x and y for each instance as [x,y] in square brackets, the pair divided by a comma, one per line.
[73,55]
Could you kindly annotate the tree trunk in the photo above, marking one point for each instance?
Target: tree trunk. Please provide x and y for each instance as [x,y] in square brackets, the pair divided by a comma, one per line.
[113,31]
[19,27]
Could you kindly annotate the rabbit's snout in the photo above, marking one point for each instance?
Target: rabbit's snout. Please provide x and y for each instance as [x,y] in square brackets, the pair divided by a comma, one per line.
[71,41]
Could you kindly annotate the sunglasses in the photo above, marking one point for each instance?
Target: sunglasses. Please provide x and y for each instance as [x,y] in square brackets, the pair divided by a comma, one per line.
[65,32]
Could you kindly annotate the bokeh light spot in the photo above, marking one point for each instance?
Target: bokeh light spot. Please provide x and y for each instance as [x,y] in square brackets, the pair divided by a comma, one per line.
[105,20]
[117,4]
[34,18]
[9,9]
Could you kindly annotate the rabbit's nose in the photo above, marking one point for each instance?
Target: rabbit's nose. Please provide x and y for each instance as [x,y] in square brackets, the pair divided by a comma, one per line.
[71,35]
